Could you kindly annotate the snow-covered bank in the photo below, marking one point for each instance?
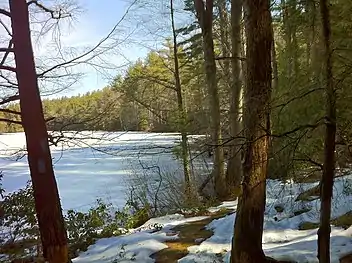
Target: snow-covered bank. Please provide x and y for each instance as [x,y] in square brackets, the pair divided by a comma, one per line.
[281,240]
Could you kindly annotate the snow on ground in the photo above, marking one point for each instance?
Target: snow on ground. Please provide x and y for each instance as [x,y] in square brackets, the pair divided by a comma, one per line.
[135,247]
[281,239]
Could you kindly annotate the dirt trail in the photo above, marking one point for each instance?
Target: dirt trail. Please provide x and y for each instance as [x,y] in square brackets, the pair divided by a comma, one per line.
[189,234]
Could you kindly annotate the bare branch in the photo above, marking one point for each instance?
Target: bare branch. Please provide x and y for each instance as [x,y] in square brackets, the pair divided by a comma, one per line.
[4,49]
[301,96]
[163,82]
[55,14]
[10,99]
[2,67]
[309,160]
[9,49]
[50,119]
[10,111]
[10,121]
[6,28]
[298,128]
[102,41]
[8,86]
[5,12]
[224,58]
[13,84]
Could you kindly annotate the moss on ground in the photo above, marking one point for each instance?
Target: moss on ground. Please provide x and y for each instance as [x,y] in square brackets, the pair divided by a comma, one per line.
[309,195]
[344,221]
[308,226]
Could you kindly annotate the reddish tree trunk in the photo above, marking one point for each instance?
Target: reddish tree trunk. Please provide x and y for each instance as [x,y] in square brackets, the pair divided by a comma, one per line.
[48,208]
[247,241]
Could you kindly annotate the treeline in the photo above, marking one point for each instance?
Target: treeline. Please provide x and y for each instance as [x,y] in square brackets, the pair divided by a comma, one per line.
[143,100]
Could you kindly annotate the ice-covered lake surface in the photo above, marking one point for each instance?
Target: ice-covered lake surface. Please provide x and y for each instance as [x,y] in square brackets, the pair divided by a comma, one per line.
[91,165]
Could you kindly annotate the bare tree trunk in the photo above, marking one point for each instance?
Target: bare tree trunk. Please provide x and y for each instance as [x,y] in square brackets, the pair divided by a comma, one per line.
[234,171]
[182,114]
[205,18]
[224,38]
[289,8]
[47,202]
[243,55]
[274,63]
[330,134]
[293,25]
[247,240]
[316,46]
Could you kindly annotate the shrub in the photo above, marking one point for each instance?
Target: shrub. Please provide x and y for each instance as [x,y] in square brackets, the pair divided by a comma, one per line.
[19,215]
[20,235]
[84,228]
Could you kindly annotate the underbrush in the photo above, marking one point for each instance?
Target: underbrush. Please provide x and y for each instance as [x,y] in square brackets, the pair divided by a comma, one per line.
[20,237]
[163,191]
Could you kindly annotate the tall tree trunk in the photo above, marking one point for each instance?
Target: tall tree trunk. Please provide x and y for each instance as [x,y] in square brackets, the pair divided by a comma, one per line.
[330,134]
[274,63]
[47,202]
[293,25]
[247,240]
[224,39]
[234,171]
[182,114]
[205,18]
[243,55]
[315,73]
[289,9]
[310,31]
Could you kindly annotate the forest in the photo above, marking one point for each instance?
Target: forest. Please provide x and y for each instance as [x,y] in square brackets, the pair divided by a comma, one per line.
[256,94]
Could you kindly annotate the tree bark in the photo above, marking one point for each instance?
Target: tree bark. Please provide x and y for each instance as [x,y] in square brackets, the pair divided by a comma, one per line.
[182,114]
[275,83]
[205,19]
[329,148]
[47,202]
[224,39]
[290,32]
[247,240]
[234,171]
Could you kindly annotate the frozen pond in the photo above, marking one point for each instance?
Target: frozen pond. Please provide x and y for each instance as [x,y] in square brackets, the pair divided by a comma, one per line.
[93,165]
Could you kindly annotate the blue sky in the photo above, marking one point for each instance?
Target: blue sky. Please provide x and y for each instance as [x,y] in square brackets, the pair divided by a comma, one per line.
[146,25]
[95,21]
